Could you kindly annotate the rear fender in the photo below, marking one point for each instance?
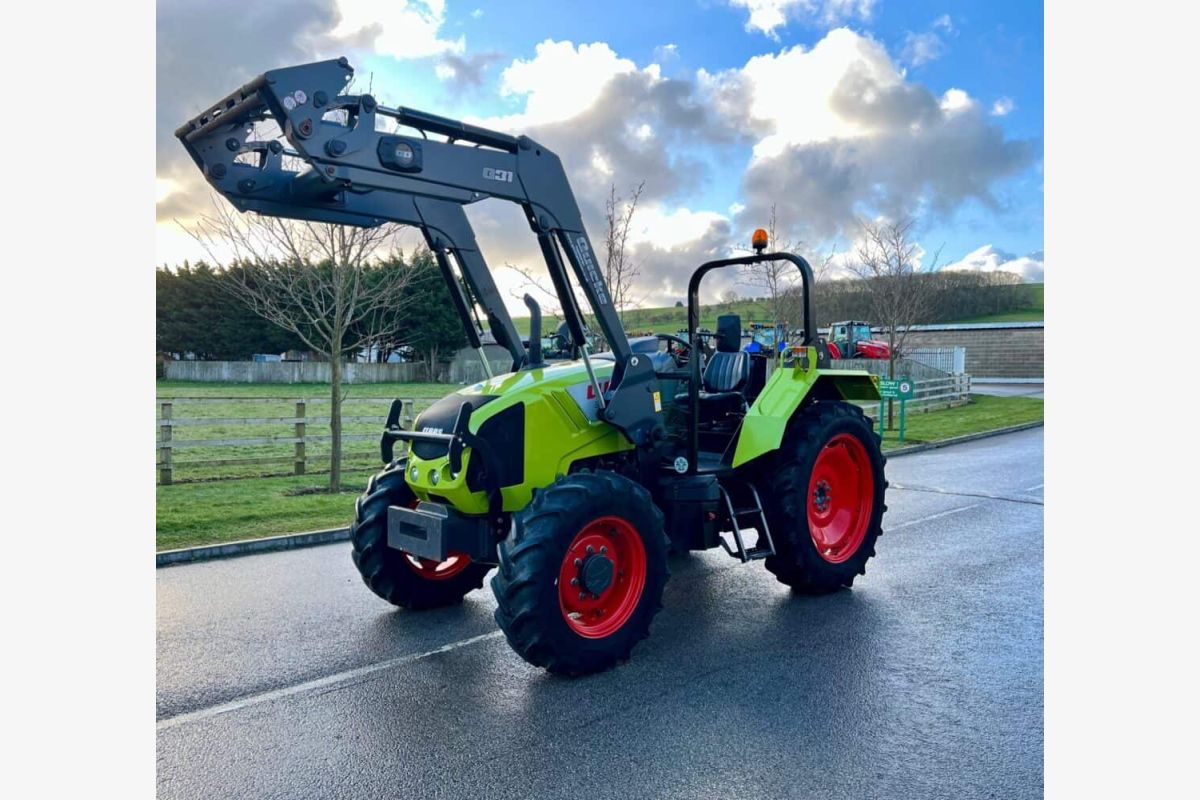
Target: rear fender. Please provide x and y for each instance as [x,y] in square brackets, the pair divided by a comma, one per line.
[786,391]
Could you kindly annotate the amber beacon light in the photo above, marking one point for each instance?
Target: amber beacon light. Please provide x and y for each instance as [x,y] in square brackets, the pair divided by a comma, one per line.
[759,240]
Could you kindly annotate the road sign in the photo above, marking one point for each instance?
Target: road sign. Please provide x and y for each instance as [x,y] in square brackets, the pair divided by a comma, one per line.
[901,389]
[897,389]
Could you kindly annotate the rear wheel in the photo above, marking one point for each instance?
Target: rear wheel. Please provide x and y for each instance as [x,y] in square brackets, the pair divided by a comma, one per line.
[402,579]
[825,498]
[582,573]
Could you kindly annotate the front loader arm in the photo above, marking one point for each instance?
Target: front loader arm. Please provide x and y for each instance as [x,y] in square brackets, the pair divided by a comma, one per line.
[341,169]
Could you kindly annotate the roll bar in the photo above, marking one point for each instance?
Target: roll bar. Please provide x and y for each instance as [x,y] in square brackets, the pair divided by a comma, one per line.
[810,330]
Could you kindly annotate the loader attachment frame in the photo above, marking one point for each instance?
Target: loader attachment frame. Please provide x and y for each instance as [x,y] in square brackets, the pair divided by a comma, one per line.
[352,173]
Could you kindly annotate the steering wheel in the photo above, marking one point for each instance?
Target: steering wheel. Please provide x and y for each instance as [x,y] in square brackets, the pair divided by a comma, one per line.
[680,352]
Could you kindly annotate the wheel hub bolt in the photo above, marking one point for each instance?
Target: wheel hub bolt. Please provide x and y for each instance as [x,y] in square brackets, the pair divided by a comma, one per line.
[822,496]
[590,549]
[574,581]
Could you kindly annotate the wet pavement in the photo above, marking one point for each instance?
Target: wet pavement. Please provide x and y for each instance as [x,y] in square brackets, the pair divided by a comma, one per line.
[281,676]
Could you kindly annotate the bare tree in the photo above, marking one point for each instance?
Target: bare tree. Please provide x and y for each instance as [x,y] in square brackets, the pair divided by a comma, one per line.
[620,269]
[534,285]
[323,283]
[885,260]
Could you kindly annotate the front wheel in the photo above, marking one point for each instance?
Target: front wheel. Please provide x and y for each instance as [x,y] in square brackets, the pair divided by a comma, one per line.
[824,500]
[402,579]
[582,573]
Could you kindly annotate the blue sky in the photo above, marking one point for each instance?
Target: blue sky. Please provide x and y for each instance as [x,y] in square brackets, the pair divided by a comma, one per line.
[834,110]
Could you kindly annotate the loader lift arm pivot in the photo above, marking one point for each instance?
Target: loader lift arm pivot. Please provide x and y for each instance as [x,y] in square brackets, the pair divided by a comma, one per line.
[356,175]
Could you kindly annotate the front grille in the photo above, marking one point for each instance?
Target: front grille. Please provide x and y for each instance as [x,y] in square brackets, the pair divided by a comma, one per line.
[441,416]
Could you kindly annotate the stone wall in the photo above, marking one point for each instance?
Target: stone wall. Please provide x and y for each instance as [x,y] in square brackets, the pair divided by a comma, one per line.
[1005,350]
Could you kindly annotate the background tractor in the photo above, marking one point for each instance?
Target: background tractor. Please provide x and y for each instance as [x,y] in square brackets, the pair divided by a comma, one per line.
[851,339]
[567,482]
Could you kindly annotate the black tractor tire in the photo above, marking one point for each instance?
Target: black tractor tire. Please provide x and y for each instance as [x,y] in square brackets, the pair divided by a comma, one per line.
[571,634]
[840,436]
[390,573]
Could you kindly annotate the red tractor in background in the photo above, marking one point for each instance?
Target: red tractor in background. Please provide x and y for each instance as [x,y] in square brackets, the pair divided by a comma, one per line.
[852,339]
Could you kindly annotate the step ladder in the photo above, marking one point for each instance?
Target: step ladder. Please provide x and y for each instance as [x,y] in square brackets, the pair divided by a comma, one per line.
[735,516]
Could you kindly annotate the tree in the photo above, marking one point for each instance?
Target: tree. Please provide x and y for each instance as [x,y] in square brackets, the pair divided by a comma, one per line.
[885,261]
[195,318]
[728,298]
[428,322]
[620,269]
[319,282]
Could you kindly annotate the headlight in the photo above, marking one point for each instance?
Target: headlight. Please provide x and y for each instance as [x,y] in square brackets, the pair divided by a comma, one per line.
[414,473]
[433,477]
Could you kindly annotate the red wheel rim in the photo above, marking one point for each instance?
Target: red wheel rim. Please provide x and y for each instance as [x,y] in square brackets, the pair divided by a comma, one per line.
[841,497]
[607,548]
[436,570]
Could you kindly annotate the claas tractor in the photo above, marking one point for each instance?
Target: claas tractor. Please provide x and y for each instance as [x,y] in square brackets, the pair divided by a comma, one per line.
[567,482]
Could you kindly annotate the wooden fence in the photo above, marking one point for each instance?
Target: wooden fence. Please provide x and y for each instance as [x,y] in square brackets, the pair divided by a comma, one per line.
[932,394]
[295,432]
[280,436]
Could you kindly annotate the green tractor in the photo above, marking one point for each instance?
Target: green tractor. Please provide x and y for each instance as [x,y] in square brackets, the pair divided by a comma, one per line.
[568,482]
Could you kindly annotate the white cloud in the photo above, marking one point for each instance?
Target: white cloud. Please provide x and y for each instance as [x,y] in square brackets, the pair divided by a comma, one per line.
[798,94]
[1003,106]
[955,100]
[838,132]
[163,188]
[668,230]
[767,15]
[559,82]
[398,28]
[921,48]
[989,258]
[944,23]
[477,13]
[842,133]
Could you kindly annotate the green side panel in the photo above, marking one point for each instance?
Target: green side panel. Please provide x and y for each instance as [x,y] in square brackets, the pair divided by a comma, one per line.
[763,428]
[558,432]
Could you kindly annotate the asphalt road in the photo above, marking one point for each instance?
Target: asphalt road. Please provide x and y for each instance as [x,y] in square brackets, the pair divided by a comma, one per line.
[281,676]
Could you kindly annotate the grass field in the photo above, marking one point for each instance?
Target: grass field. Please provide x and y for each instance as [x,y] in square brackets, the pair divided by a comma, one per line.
[253,401]
[983,413]
[210,512]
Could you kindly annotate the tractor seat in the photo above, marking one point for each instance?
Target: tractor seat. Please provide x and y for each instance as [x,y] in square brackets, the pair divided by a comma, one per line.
[726,373]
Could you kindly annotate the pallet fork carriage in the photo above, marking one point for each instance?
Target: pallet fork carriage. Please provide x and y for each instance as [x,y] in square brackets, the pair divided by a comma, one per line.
[575,478]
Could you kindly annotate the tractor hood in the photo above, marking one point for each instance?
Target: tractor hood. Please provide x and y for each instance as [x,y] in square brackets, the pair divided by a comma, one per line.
[872,348]
[536,423]
[568,376]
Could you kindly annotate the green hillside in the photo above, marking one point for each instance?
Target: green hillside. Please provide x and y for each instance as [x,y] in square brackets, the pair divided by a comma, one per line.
[672,319]
[1035,312]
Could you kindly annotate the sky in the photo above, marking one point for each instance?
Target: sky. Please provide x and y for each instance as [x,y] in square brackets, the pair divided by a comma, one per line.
[832,111]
